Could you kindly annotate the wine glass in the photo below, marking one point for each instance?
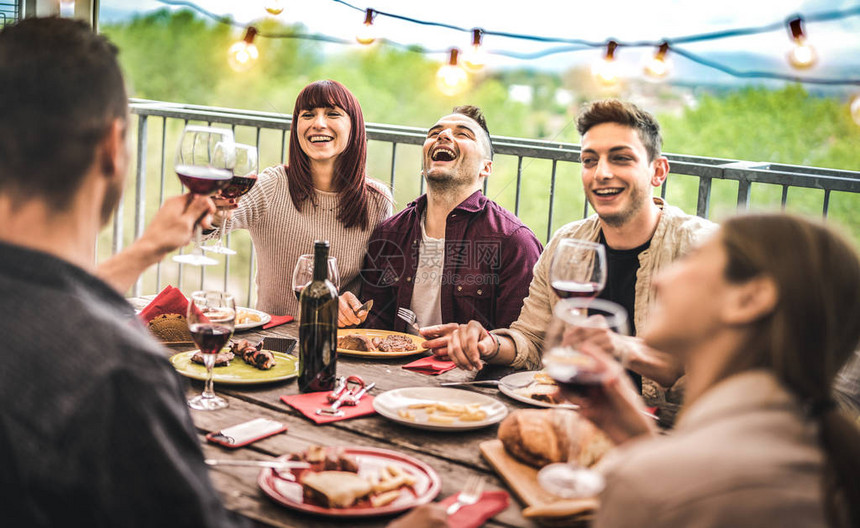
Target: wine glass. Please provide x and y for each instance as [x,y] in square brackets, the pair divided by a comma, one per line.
[211,319]
[578,269]
[244,177]
[575,322]
[204,163]
[303,273]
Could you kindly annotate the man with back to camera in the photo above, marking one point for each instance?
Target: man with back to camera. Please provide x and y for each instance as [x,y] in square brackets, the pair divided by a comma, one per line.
[621,164]
[452,255]
[94,430]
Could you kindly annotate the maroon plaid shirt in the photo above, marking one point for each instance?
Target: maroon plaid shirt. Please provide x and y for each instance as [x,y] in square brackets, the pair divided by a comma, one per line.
[487,268]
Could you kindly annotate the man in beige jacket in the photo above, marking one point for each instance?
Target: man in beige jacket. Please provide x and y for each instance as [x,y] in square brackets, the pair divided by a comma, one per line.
[621,165]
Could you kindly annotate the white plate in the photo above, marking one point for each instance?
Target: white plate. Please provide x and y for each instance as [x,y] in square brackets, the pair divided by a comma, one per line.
[389,403]
[264,318]
[520,378]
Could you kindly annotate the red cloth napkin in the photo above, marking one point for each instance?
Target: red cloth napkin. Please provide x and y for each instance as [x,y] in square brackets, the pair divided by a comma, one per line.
[307,404]
[431,365]
[277,320]
[169,301]
[474,515]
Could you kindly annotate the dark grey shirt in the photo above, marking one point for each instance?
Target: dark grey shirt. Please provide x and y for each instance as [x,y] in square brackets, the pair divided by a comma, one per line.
[94,430]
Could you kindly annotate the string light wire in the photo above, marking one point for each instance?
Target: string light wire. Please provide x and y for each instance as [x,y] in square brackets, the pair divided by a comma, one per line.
[574,45]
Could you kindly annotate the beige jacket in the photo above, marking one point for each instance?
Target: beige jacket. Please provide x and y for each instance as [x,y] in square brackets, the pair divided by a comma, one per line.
[742,455]
[676,233]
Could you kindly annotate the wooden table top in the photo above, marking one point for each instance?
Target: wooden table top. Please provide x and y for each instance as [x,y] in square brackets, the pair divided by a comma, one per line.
[454,455]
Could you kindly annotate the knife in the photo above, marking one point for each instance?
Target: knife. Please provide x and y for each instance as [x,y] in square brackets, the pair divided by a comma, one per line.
[482,383]
[275,464]
[364,307]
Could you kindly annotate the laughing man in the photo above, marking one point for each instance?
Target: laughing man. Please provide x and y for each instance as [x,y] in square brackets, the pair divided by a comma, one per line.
[452,255]
[621,165]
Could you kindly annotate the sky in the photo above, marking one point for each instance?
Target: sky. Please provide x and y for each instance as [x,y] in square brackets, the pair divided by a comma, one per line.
[837,43]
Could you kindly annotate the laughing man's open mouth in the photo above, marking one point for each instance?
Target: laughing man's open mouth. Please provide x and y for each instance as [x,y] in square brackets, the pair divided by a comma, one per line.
[443,154]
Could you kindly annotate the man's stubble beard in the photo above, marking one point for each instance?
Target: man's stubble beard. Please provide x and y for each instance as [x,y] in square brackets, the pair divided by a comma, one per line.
[445,182]
[637,203]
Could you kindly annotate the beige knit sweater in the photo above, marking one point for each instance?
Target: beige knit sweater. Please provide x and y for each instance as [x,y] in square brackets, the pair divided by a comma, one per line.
[281,234]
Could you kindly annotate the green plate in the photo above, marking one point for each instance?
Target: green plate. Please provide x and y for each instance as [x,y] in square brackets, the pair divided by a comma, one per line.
[238,372]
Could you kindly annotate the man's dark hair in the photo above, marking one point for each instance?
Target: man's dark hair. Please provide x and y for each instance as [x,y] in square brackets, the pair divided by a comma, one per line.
[475,113]
[60,89]
[623,113]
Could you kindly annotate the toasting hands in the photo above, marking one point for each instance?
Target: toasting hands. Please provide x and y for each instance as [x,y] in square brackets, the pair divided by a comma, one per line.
[170,228]
[615,406]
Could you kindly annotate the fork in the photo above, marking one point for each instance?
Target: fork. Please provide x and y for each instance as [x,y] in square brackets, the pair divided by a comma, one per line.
[469,495]
[411,319]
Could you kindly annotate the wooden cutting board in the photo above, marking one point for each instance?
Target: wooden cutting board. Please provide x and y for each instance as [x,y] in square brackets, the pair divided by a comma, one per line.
[522,480]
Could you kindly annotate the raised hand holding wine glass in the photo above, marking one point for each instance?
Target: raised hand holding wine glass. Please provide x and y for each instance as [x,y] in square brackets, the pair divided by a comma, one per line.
[578,322]
[303,273]
[204,163]
[244,178]
[211,320]
[578,269]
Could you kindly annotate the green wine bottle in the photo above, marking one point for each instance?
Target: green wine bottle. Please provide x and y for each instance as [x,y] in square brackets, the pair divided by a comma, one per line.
[318,330]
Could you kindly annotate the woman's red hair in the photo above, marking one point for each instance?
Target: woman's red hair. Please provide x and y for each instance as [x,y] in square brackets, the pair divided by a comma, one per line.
[350,167]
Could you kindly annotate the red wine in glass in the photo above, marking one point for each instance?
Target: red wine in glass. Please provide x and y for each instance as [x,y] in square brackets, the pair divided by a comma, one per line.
[580,375]
[298,292]
[210,338]
[568,288]
[239,186]
[203,180]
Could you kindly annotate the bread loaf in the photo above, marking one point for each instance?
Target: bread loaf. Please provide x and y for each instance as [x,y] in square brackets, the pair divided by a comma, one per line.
[170,328]
[543,436]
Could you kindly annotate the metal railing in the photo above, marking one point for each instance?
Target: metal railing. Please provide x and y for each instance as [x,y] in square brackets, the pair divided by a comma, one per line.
[10,12]
[159,115]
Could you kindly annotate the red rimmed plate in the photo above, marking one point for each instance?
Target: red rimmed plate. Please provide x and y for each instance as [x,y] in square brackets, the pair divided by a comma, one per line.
[370,461]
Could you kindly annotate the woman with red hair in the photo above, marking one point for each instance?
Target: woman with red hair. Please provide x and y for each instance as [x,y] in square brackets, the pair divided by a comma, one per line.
[322,193]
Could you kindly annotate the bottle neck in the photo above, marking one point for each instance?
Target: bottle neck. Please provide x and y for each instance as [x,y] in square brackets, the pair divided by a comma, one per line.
[320,263]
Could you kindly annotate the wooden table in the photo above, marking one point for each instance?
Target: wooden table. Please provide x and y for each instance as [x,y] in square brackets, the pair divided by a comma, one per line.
[454,456]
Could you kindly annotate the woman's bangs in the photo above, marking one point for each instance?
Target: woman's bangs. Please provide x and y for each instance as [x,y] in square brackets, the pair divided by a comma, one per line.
[322,94]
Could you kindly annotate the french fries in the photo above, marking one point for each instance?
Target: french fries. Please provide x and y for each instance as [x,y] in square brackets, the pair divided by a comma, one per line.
[245,317]
[384,499]
[386,484]
[543,378]
[444,412]
[406,414]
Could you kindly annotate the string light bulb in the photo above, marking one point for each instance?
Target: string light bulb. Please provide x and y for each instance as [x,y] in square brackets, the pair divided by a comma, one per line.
[451,79]
[475,58]
[67,8]
[801,55]
[243,54]
[606,70]
[366,34]
[274,7]
[659,66]
[855,109]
